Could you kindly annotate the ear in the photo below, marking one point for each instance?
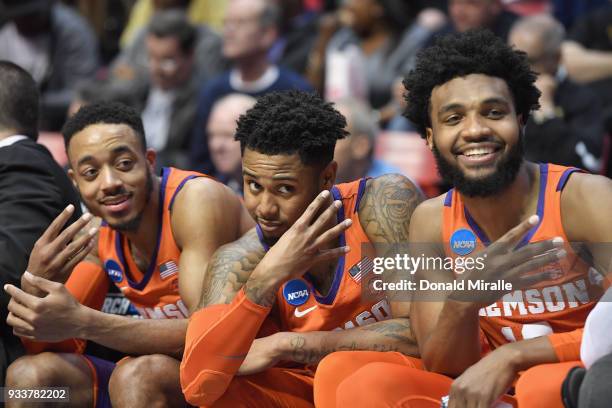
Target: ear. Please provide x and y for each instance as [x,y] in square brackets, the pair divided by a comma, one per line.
[151,158]
[521,120]
[360,147]
[429,136]
[71,177]
[328,175]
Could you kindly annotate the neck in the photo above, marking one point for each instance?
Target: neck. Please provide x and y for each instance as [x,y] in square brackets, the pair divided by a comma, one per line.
[144,239]
[7,133]
[377,37]
[253,67]
[497,214]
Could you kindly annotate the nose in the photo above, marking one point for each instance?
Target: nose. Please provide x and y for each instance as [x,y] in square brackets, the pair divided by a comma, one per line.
[475,127]
[110,181]
[267,207]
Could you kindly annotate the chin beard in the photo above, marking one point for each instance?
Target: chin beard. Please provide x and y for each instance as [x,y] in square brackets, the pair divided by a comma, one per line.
[505,173]
[133,224]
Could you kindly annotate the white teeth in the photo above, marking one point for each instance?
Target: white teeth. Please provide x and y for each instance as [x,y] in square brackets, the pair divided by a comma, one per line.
[478,151]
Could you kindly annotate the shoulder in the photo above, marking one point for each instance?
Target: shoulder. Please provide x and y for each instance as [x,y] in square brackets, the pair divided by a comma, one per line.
[392,186]
[426,222]
[216,86]
[288,79]
[585,208]
[201,194]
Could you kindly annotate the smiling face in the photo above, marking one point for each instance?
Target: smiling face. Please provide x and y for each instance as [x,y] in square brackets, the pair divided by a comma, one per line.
[112,173]
[277,189]
[475,134]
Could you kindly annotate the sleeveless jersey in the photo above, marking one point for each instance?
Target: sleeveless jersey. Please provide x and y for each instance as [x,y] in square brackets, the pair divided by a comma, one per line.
[553,306]
[154,292]
[302,309]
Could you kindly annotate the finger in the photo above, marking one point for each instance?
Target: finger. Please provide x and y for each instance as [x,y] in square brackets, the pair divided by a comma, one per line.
[333,233]
[523,270]
[41,283]
[314,208]
[75,248]
[535,249]
[71,231]
[56,226]
[332,254]
[512,237]
[79,256]
[20,311]
[22,297]
[19,325]
[326,217]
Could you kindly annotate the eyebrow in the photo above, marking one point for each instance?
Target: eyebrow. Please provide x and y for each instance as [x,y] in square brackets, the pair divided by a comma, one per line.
[278,177]
[488,101]
[116,151]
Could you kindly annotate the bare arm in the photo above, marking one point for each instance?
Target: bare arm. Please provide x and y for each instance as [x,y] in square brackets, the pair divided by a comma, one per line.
[584,65]
[205,215]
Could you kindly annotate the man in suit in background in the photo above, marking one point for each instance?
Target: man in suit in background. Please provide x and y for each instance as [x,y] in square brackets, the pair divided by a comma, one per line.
[33,190]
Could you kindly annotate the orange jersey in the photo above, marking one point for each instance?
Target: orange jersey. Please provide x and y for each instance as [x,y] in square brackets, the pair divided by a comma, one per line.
[153,292]
[303,309]
[554,306]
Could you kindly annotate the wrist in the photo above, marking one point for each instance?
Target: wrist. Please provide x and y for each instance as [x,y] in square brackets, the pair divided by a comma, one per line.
[513,356]
[282,345]
[83,319]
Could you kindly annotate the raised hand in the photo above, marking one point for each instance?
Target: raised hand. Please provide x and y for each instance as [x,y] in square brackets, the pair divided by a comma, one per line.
[57,252]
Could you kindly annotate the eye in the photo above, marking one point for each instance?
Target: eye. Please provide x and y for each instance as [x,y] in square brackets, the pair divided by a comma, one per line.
[496,113]
[452,119]
[125,164]
[89,173]
[285,189]
[253,186]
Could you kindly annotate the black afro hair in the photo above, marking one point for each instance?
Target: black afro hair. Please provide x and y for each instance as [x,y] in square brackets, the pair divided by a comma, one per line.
[292,122]
[104,112]
[459,55]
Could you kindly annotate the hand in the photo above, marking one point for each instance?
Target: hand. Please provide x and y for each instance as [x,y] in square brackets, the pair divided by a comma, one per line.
[301,246]
[57,252]
[55,317]
[484,382]
[263,354]
[514,266]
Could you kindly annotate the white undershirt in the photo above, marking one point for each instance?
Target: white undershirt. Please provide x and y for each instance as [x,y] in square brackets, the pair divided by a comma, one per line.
[260,84]
[11,140]
[156,117]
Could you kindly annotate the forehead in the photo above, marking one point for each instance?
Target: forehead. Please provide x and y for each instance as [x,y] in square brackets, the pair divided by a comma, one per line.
[245,8]
[273,166]
[166,43]
[469,90]
[102,138]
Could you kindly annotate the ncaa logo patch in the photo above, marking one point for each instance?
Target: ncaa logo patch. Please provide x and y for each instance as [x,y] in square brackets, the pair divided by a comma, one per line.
[113,269]
[462,242]
[296,292]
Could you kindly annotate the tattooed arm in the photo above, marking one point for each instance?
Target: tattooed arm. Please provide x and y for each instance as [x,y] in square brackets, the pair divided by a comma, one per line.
[384,213]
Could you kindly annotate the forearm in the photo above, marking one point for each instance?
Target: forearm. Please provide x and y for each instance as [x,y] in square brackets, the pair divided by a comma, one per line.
[262,285]
[217,342]
[134,336]
[454,344]
[525,354]
[311,347]
[585,65]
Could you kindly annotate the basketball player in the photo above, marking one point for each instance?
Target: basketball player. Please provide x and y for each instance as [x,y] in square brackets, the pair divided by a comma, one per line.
[154,243]
[294,273]
[470,96]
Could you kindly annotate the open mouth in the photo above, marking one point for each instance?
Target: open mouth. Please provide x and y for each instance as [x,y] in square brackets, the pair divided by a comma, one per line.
[117,204]
[479,154]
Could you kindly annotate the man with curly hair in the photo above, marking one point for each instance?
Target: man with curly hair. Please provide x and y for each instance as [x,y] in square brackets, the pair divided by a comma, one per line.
[470,96]
[297,274]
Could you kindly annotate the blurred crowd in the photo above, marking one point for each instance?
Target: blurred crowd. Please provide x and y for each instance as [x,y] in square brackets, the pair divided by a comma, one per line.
[192,67]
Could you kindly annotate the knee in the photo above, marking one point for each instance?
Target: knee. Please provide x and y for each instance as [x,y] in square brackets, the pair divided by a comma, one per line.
[143,379]
[35,370]
[329,365]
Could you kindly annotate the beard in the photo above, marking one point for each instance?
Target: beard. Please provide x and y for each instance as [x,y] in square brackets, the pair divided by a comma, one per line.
[133,224]
[505,173]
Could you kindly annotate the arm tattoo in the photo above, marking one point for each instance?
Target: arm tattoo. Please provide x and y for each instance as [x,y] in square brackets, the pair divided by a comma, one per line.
[386,208]
[396,329]
[230,268]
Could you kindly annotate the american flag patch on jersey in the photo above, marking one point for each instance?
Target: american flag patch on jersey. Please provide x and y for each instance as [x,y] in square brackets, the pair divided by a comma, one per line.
[361,269]
[168,269]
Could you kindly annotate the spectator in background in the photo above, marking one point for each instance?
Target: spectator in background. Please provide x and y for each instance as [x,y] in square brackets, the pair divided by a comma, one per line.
[167,99]
[470,14]
[205,12]
[355,154]
[33,190]
[568,128]
[55,45]
[249,31]
[130,68]
[377,43]
[224,149]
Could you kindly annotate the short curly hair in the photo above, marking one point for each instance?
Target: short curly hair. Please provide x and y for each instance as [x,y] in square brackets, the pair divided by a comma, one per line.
[104,112]
[458,55]
[292,122]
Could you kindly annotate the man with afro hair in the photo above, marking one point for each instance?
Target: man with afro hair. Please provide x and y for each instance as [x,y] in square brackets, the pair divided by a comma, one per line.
[470,96]
[290,289]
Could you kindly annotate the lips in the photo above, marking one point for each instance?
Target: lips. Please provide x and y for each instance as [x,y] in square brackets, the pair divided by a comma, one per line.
[117,204]
[479,153]
[269,226]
